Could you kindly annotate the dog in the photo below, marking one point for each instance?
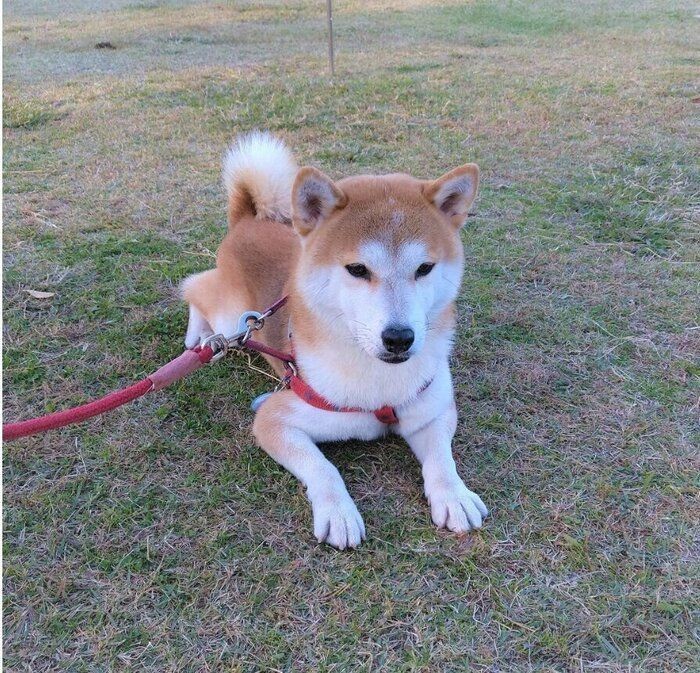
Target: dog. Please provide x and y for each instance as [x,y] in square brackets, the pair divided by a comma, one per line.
[372,266]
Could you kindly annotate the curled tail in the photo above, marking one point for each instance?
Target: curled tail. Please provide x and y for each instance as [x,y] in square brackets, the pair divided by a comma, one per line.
[258,174]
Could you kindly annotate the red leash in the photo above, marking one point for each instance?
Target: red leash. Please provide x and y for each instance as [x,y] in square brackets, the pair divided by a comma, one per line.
[190,361]
[181,366]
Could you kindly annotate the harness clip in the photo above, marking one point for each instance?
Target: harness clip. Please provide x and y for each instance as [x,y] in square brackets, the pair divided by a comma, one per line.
[249,322]
[219,344]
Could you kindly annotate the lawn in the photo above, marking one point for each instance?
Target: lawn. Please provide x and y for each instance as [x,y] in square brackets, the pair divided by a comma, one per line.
[160,538]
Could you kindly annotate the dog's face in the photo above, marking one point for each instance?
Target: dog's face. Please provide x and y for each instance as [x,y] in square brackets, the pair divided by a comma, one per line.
[381,256]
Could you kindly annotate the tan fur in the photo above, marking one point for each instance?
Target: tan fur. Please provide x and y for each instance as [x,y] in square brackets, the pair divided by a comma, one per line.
[372,202]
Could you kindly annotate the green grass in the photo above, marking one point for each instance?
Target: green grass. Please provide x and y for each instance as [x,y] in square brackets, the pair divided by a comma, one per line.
[25,114]
[159,538]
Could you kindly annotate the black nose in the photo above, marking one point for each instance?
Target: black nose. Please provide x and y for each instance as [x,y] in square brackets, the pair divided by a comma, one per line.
[397,339]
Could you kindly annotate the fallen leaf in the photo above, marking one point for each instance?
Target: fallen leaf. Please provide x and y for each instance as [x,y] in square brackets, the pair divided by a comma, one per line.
[38,294]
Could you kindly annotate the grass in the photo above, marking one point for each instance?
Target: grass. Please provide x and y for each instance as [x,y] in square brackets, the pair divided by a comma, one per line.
[25,114]
[160,538]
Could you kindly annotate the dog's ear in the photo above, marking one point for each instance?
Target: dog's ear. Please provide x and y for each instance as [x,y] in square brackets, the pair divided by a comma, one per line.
[454,192]
[314,198]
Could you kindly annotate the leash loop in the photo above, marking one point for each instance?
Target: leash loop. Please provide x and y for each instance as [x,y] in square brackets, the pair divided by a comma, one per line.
[222,345]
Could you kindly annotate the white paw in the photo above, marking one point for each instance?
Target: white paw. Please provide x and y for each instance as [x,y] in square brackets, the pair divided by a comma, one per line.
[337,521]
[455,507]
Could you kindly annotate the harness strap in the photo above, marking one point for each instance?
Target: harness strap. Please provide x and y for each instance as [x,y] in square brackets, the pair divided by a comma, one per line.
[276,306]
[267,350]
[303,390]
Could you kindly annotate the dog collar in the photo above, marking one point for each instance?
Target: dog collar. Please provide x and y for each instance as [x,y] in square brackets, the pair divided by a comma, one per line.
[304,391]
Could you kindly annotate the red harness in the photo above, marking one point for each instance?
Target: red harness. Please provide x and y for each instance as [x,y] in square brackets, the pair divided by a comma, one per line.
[385,414]
[304,391]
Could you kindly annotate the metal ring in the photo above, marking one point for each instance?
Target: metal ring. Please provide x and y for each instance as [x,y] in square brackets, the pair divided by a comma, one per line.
[219,344]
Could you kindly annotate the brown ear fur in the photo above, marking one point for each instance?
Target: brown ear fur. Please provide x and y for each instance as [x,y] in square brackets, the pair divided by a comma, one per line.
[454,192]
[314,197]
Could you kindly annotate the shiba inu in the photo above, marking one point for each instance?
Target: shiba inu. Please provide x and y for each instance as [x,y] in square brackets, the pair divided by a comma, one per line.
[372,266]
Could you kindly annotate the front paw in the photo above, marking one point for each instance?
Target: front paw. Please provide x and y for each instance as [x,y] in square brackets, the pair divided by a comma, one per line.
[455,507]
[337,521]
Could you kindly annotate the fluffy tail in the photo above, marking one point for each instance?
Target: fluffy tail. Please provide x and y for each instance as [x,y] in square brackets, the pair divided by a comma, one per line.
[258,174]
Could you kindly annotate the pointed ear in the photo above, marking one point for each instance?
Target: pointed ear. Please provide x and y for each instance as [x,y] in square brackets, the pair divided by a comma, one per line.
[454,192]
[314,198]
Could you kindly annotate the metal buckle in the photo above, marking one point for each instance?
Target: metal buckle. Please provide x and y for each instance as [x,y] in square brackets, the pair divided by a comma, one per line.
[249,322]
[219,344]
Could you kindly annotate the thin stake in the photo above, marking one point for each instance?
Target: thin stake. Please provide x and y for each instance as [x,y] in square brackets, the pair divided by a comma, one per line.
[331,56]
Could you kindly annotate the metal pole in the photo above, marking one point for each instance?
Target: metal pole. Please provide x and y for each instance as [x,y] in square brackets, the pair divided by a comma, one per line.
[331,56]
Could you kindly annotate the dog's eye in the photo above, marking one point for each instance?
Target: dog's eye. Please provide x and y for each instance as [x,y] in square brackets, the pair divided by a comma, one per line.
[358,270]
[424,269]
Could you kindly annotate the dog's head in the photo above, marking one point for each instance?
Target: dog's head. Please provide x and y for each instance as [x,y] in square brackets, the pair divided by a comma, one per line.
[381,255]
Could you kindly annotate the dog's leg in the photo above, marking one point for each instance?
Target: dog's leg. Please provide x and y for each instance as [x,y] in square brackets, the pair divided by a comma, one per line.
[336,519]
[452,504]
[198,328]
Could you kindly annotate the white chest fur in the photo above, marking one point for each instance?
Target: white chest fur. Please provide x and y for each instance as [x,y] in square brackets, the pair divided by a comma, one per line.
[347,376]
